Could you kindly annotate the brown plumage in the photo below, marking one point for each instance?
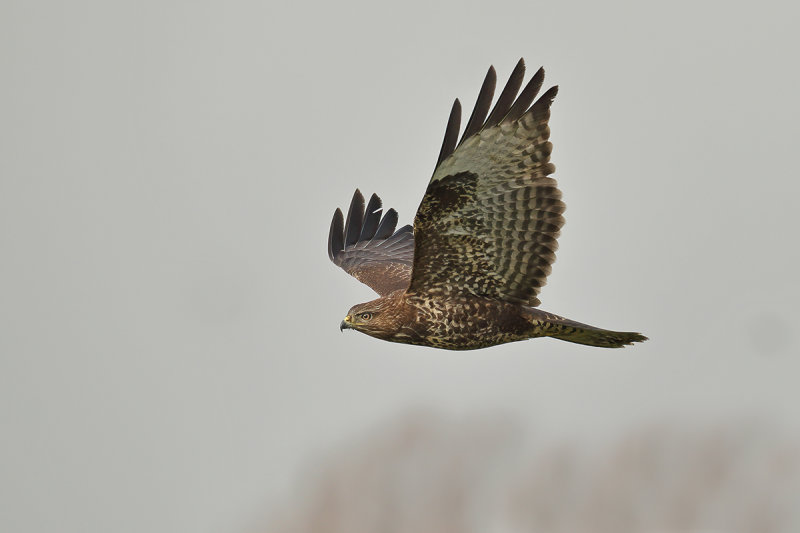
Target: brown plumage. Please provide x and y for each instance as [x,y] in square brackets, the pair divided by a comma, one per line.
[468,274]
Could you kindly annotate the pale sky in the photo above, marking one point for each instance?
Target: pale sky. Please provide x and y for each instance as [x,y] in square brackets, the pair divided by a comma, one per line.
[170,356]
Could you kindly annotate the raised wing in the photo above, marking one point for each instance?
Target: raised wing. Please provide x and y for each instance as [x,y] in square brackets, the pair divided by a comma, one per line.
[368,248]
[490,219]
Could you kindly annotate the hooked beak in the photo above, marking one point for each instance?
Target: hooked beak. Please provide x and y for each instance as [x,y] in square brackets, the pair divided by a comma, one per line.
[345,323]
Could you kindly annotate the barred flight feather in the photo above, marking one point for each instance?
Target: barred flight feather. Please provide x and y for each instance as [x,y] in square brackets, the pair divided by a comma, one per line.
[500,175]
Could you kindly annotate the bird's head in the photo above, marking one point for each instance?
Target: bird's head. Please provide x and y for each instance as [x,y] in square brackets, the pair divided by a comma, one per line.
[378,318]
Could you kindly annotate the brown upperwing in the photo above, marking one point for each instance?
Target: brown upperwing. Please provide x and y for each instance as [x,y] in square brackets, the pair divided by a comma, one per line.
[368,248]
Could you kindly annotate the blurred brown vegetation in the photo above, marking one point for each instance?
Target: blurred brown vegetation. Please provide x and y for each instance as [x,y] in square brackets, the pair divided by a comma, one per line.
[423,474]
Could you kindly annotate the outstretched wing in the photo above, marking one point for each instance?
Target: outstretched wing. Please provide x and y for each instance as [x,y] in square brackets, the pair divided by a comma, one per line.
[368,248]
[490,218]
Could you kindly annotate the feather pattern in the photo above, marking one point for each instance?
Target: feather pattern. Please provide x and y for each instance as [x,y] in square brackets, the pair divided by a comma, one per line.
[368,248]
[490,219]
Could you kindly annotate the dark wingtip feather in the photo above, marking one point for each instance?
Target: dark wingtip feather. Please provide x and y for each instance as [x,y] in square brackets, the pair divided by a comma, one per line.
[372,218]
[526,97]
[482,105]
[545,101]
[507,97]
[336,235]
[451,132]
[389,222]
[355,219]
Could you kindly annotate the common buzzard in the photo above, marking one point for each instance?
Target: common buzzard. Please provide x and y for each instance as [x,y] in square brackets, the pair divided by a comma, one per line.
[467,275]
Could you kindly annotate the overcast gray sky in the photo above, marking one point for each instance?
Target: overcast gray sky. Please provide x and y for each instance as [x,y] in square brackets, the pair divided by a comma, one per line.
[170,356]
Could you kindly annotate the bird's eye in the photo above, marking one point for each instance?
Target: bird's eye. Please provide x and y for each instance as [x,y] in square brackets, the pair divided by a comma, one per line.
[365,316]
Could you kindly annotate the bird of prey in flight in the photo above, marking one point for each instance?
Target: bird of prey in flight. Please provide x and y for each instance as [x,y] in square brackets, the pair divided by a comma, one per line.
[468,273]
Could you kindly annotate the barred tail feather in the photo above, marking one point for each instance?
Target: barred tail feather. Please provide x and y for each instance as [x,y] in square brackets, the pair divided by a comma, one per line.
[603,338]
[568,330]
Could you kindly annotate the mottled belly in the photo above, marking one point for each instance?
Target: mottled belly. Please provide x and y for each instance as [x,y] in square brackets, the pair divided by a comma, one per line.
[467,325]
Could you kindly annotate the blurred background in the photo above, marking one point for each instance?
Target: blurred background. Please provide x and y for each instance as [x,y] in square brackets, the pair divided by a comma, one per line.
[170,358]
